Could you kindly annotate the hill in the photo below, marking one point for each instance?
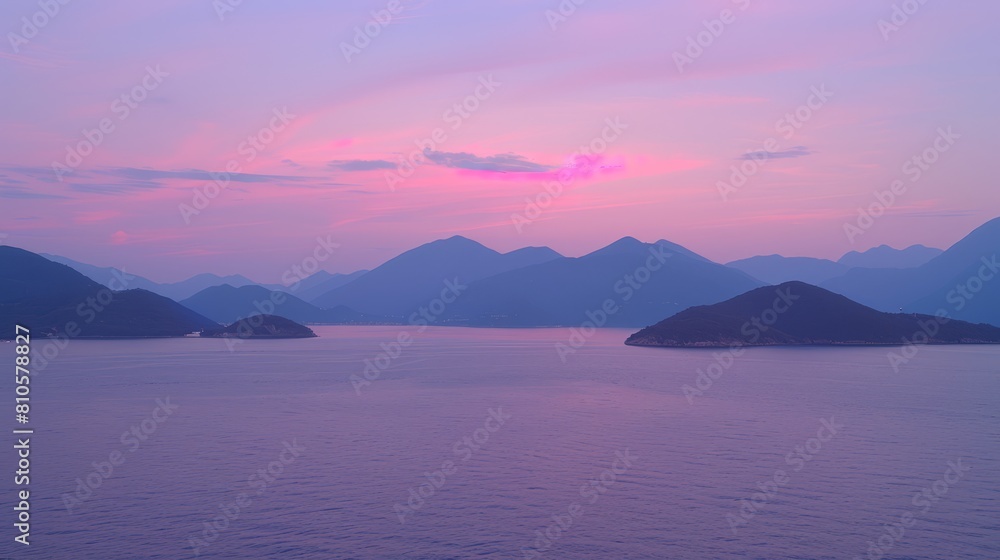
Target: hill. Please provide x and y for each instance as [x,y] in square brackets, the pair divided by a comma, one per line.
[261,326]
[53,299]
[796,313]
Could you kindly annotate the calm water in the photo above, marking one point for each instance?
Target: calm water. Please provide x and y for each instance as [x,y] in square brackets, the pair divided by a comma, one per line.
[692,465]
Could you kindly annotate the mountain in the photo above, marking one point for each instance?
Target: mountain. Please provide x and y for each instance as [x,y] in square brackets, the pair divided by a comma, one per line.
[227,304]
[115,277]
[644,282]
[797,313]
[261,326]
[885,256]
[776,269]
[929,287]
[52,298]
[186,288]
[107,276]
[321,283]
[311,286]
[404,283]
[675,248]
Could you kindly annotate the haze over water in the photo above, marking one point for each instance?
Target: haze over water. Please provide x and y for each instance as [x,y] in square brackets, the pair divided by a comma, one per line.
[363,454]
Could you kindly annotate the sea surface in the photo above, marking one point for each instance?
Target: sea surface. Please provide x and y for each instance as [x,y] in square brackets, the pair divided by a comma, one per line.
[599,456]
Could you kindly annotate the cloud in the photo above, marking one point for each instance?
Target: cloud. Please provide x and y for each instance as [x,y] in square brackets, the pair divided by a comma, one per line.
[113,188]
[7,191]
[503,163]
[361,164]
[192,175]
[793,152]
[41,173]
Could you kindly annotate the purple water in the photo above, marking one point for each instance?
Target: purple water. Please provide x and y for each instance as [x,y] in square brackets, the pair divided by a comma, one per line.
[353,459]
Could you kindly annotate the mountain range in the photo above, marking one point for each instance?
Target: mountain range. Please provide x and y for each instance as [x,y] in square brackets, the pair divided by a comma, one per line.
[52,299]
[312,286]
[644,281]
[775,269]
[457,281]
[964,281]
[403,284]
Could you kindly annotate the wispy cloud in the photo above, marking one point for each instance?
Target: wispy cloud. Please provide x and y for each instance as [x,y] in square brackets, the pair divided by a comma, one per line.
[361,164]
[793,152]
[8,191]
[504,163]
[192,175]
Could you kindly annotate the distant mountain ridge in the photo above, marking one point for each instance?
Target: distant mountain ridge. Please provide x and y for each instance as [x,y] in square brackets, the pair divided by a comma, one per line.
[885,256]
[53,299]
[321,283]
[227,304]
[776,269]
[313,285]
[967,266]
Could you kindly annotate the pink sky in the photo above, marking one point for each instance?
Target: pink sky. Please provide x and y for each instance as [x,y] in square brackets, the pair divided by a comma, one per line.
[542,93]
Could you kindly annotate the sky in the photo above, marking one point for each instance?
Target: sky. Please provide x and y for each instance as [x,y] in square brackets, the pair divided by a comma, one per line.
[226,136]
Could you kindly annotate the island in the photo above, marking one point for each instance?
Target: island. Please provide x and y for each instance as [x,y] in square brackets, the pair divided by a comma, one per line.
[261,326]
[796,313]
